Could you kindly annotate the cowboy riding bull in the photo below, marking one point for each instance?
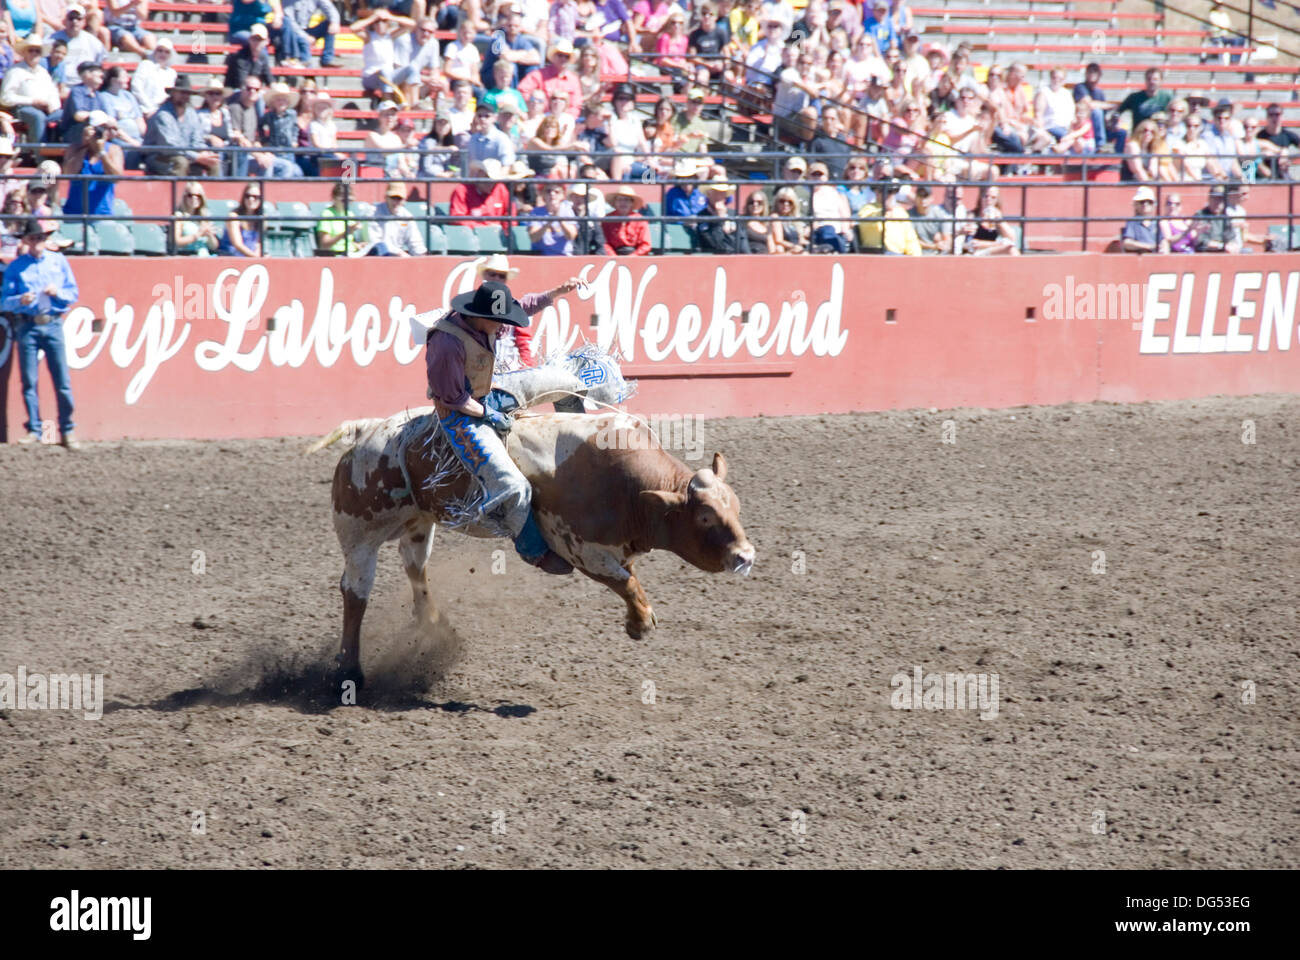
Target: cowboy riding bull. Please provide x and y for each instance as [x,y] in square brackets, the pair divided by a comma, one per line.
[585,491]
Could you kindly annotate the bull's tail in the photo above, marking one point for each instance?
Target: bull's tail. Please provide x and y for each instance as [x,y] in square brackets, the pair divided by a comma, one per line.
[346,432]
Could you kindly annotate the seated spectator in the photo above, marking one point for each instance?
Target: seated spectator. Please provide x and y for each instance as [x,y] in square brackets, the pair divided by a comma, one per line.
[1177,232]
[878,24]
[500,89]
[745,22]
[405,162]
[461,109]
[419,58]
[1142,234]
[831,211]
[1090,89]
[250,60]
[277,131]
[340,231]
[692,130]
[82,100]
[246,16]
[176,126]
[759,234]
[243,234]
[13,221]
[1195,162]
[1151,99]
[192,231]
[992,236]
[29,93]
[398,234]
[485,141]
[542,149]
[513,46]
[1214,229]
[718,232]
[94,156]
[1221,145]
[558,107]
[384,138]
[1251,155]
[82,44]
[123,107]
[462,61]
[790,234]
[829,145]
[552,230]
[1079,139]
[122,17]
[1276,141]
[22,19]
[934,225]
[651,16]
[589,206]
[590,85]
[970,130]
[672,44]
[763,62]
[630,236]
[380,31]
[245,110]
[439,153]
[483,201]
[555,76]
[885,227]
[1235,208]
[214,115]
[56,64]
[1176,130]
[857,191]
[300,31]
[1054,108]
[1141,162]
[684,201]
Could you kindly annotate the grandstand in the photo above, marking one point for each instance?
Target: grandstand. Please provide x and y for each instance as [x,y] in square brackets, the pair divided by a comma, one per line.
[1053,202]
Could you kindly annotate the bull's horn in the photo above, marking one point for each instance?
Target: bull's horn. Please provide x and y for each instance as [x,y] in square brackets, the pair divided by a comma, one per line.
[703,479]
[328,440]
[720,466]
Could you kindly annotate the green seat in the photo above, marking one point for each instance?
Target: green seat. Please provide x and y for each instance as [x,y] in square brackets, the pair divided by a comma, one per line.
[442,209]
[121,208]
[519,237]
[295,216]
[304,245]
[677,239]
[114,238]
[1278,233]
[460,239]
[490,240]
[149,238]
[277,243]
[437,240]
[83,237]
[419,209]
[317,208]
[650,210]
[220,209]
[656,237]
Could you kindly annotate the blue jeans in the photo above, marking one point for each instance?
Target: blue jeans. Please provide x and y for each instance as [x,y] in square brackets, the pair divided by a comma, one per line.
[35,119]
[318,32]
[283,167]
[28,339]
[828,236]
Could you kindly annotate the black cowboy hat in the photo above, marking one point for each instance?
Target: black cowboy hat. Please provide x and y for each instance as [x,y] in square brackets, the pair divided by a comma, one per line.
[36,228]
[182,83]
[491,301]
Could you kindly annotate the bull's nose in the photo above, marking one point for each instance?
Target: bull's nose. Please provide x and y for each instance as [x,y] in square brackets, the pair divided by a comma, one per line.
[743,561]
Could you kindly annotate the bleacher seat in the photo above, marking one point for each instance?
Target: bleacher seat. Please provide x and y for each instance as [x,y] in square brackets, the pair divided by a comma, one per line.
[677,239]
[436,239]
[121,208]
[519,237]
[294,216]
[490,240]
[149,238]
[460,239]
[82,234]
[114,238]
[656,237]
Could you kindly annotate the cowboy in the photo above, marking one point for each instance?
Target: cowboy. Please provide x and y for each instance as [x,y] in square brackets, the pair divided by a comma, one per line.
[38,290]
[460,356]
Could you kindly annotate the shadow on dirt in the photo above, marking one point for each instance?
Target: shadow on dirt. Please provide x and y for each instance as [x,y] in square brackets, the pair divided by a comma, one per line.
[405,663]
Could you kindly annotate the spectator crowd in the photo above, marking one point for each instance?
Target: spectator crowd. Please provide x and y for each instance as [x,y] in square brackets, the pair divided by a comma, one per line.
[530,108]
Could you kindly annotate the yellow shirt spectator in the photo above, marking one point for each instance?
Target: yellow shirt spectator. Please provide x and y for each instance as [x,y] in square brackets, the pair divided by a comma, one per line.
[893,235]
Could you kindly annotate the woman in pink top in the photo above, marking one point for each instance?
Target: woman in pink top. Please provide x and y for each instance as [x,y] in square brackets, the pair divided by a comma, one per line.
[651,16]
[672,43]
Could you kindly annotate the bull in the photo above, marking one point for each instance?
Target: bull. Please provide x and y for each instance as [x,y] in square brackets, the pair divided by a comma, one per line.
[605,492]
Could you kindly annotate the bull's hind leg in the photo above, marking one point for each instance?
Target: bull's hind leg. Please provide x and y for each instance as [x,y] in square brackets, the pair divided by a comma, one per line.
[415,545]
[640,616]
[356,583]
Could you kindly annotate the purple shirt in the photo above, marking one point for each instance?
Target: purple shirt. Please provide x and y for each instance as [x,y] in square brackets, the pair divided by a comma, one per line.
[444,355]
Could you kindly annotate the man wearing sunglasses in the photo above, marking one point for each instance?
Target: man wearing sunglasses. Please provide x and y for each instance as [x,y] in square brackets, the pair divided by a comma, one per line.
[1275,141]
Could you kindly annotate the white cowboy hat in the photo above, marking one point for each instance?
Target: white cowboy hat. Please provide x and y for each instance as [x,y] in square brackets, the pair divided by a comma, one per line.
[497,261]
[282,89]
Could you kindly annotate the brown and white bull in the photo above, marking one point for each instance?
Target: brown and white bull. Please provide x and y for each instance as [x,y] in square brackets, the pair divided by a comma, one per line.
[604,491]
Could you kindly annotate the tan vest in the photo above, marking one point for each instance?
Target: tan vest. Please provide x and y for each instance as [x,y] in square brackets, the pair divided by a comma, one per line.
[479,361]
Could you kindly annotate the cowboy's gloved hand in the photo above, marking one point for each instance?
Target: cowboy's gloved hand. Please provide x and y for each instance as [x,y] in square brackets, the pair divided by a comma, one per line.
[500,422]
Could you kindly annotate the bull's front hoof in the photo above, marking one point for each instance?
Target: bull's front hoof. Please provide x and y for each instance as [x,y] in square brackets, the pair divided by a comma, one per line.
[640,629]
[347,683]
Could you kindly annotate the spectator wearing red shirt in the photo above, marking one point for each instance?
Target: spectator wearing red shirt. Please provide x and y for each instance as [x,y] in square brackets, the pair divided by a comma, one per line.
[555,76]
[626,237]
[482,204]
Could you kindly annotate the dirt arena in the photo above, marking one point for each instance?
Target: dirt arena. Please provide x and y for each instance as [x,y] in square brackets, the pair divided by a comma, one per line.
[518,736]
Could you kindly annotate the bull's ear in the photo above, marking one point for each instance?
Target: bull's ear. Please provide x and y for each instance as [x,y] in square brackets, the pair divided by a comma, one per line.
[720,466]
[665,500]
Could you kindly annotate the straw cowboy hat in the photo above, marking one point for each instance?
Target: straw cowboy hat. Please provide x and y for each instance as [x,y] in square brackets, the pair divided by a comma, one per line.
[626,191]
[497,262]
[282,89]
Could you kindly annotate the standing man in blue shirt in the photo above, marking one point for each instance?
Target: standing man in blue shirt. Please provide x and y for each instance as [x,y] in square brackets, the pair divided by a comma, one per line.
[38,290]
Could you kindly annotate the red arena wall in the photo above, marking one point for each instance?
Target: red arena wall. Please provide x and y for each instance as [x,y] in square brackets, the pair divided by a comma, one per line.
[232,348]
